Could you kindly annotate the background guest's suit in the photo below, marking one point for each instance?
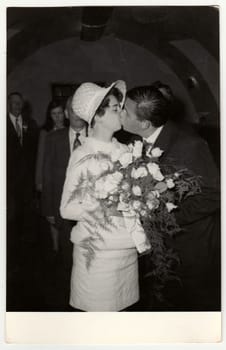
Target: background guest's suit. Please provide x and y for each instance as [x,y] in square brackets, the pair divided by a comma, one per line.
[20,185]
[199,242]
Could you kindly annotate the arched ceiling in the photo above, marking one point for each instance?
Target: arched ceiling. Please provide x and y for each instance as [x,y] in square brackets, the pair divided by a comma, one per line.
[28,29]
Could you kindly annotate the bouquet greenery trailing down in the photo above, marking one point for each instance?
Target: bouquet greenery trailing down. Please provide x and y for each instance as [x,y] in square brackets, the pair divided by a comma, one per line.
[134,183]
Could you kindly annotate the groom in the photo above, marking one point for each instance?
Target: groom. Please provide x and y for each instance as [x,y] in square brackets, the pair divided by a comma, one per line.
[146,114]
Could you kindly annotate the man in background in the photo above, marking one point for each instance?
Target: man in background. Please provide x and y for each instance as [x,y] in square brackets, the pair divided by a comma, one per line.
[22,138]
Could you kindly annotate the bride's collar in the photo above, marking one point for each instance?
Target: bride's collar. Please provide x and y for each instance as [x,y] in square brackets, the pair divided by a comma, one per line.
[99,144]
[94,139]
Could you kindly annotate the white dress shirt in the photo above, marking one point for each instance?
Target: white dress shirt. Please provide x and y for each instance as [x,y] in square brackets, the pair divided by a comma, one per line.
[153,137]
[20,123]
[72,136]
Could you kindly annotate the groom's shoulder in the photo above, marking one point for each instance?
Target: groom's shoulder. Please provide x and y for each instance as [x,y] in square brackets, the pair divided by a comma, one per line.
[183,130]
[188,135]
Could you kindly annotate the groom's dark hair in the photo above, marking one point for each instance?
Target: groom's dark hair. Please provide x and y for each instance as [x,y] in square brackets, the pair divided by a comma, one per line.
[150,104]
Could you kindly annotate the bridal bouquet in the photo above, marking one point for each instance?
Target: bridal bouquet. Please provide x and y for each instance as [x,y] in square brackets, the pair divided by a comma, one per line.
[137,185]
[146,193]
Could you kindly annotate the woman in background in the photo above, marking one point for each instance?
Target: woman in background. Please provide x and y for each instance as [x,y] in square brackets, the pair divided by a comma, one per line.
[55,120]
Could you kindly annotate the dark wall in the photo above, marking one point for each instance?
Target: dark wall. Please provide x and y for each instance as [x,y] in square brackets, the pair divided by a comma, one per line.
[177,45]
[75,61]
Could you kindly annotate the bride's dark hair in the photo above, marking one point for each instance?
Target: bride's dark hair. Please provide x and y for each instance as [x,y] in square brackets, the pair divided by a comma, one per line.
[105,103]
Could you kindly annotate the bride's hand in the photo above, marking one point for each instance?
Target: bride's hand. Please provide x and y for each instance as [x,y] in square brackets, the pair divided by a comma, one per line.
[91,210]
[92,206]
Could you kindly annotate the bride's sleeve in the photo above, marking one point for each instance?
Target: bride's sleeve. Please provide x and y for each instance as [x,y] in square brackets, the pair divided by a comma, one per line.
[72,206]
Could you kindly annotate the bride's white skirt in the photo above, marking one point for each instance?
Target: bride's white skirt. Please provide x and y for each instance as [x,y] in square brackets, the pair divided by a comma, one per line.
[109,284]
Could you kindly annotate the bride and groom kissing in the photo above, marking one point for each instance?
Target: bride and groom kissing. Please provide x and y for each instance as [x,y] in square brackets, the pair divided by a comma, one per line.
[111,283]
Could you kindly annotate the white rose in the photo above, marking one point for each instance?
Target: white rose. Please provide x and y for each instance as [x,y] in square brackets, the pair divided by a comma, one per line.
[111,182]
[150,205]
[137,149]
[140,172]
[105,166]
[153,204]
[109,186]
[136,190]
[152,195]
[125,159]
[143,212]
[125,186]
[176,174]
[154,170]
[158,176]
[99,189]
[117,176]
[156,203]
[133,173]
[116,154]
[156,152]
[136,204]
[170,183]
[122,206]
[170,206]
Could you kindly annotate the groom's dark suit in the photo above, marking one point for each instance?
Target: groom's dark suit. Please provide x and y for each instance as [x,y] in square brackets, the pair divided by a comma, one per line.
[198,216]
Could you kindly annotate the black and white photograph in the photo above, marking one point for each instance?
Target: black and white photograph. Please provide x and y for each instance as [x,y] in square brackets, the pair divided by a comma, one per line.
[113,160]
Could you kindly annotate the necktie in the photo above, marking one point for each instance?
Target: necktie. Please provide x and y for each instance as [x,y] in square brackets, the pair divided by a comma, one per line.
[146,148]
[76,142]
[18,131]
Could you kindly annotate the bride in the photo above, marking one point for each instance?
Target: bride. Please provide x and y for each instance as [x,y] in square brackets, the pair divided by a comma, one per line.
[110,283]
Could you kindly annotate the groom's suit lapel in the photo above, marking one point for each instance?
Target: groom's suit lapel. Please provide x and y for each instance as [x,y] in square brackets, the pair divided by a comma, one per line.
[167,138]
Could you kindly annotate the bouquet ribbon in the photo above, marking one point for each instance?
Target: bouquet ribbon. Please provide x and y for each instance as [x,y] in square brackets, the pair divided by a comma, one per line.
[136,230]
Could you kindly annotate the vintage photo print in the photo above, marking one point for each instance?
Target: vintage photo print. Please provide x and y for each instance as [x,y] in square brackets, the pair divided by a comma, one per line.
[112,146]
